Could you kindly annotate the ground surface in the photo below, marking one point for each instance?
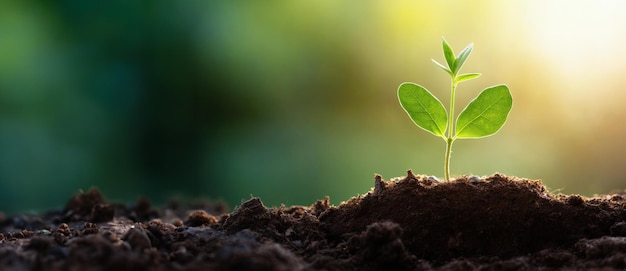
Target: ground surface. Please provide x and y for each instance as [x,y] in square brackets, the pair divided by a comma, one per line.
[414,223]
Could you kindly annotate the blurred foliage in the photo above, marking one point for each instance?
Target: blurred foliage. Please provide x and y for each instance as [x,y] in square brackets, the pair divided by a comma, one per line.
[293,101]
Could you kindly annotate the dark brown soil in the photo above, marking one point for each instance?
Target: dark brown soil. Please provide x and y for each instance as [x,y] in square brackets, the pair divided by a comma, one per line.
[414,223]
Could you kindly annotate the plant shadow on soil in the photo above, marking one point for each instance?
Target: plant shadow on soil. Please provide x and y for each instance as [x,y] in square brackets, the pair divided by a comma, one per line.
[411,223]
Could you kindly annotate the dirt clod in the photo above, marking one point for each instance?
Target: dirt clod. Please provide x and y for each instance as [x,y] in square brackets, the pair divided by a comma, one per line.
[137,239]
[200,217]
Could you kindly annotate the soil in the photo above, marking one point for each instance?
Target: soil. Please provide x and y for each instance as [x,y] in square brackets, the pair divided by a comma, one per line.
[413,223]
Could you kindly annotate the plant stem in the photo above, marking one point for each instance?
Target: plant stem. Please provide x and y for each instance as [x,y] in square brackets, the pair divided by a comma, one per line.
[448,152]
[449,138]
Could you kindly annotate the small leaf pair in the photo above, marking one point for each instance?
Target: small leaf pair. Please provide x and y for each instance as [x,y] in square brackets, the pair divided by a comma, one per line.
[482,117]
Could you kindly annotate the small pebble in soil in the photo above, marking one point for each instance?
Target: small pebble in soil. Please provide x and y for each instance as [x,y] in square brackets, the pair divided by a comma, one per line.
[475,179]
[44,232]
[433,178]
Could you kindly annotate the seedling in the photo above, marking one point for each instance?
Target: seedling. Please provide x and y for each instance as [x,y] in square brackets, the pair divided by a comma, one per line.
[482,117]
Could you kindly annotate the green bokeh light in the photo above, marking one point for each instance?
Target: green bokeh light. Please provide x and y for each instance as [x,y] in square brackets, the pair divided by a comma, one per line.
[292,101]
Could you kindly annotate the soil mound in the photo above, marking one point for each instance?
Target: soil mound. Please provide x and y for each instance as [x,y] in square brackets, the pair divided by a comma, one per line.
[413,223]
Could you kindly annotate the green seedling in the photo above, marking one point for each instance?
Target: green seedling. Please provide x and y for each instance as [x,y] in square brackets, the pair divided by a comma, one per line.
[482,117]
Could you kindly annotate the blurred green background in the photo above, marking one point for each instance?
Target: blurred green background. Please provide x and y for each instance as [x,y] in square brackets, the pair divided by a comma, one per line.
[295,100]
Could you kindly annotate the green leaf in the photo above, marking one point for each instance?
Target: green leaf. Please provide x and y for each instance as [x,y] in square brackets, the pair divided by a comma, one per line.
[486,114]
[466,76]
[425,110]
[449,54]
[463,56]
[443,67]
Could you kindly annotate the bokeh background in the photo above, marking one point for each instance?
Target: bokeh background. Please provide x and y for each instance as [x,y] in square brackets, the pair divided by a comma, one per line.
[295,100]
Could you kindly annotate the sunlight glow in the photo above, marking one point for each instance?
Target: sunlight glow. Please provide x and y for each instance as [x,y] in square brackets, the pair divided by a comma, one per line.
[577,35]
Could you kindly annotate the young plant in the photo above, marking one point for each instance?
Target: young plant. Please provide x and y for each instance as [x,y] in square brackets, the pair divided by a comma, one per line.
[482,117]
